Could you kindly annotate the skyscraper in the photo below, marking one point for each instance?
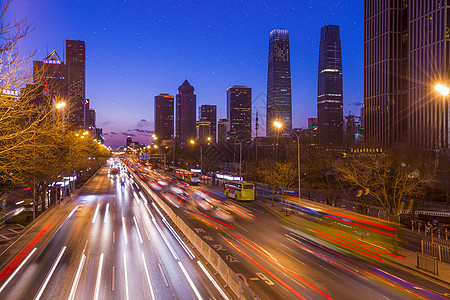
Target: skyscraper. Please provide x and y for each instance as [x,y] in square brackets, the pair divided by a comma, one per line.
[329,90]
[52,75]
[279,99]
[403,60]
[203,131]
[385,73]
[239,111]
[164,111]
[75,59]
[209,113]
[222,130]
[186,107]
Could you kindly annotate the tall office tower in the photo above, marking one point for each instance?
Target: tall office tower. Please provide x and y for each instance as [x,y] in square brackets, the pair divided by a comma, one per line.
[385,72]
[279,99]
[51,74]
[428,65]
[91,118]
[329,88]
[222,130]
[75,59]
[203,131]
[209,113]
[164,111]
[403,61]
[186,106]
[239,111]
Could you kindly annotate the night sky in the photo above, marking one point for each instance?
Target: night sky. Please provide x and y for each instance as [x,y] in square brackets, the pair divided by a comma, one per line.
[137,49]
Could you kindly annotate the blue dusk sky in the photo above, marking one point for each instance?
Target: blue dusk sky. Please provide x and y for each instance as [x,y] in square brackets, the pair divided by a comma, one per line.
[136,49]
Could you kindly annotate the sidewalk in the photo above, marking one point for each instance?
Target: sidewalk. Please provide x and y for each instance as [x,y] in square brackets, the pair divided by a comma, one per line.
[411,256]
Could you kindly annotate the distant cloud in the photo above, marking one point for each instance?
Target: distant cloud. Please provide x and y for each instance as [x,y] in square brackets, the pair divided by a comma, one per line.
[144,124]
[142,130]
[357,103]
[106,133]
[128,134]
[112,132]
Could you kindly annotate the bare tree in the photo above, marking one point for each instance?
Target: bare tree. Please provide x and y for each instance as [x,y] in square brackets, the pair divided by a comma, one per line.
[389,178]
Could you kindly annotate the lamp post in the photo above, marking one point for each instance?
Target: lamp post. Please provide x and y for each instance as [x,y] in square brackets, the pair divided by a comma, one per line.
[279,126]
[201,152]
[443,90]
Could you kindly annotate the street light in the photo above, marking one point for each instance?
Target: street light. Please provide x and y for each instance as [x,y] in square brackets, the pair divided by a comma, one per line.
[60,105]
[442,89]
[279,126]
[201,151]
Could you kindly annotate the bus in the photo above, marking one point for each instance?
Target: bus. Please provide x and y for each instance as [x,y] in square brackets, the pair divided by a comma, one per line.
[240,190]
[188,176]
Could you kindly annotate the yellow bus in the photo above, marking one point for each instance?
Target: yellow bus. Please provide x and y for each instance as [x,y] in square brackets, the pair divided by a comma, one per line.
[240,190]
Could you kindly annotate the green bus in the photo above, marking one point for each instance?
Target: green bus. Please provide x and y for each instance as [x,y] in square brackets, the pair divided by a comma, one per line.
[240,190]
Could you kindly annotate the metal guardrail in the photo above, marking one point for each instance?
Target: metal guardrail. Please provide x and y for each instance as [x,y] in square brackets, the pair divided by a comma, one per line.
[427,263]
[442,253]
[239,288]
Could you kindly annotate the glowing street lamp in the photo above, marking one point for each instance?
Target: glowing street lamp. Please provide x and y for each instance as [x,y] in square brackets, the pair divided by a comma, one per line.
[60,105]
[442,89]
[279,126]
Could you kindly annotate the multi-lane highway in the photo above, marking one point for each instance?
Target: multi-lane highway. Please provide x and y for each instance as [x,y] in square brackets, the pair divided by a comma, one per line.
[278,261]
[106,243]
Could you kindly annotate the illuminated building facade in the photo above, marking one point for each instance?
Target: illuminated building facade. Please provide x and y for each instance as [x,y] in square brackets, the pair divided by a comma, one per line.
[329,89]
[279,99]
[164,116]
[239,111]
[186,112]
[76,61]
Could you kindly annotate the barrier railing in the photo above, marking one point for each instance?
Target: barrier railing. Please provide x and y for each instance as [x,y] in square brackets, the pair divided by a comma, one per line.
[442,253]
[241,290]
[427,263]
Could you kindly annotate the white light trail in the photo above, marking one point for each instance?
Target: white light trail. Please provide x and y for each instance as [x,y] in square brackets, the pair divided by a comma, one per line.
[148,276]
[96,213]
[177,237]
[137,229]
[126,275]
[99,277]
[124,230]
[49,275]
[72,212]
[77,277]
[148,209]
[106,212]
[212,280]
[165,240]
[191,283]
[157,209]
[17,270]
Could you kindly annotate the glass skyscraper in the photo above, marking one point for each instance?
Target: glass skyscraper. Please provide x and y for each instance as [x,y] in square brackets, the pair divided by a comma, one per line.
[164,110]
[76,62]
[239,111]
[279,99]
[186,117]
[329,90]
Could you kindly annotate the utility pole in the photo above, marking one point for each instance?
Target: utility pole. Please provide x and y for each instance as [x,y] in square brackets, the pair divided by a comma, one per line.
[256,138]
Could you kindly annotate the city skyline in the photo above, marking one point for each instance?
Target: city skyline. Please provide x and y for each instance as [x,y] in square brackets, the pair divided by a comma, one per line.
[213,53]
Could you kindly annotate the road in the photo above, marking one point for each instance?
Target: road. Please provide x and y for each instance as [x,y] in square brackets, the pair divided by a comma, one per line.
[277,261]
[108,245]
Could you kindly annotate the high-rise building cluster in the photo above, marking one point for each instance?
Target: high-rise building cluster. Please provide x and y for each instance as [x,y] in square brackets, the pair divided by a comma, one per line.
[66,82]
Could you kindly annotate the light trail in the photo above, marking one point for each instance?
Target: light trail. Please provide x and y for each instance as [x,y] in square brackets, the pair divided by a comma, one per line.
[186,249]
[124,230]
[106,212]
[126,275]
[17,270]
[99,277]
[148,276]
[96,213]
[191,283]
[137,229]
[212,280]
[49,275]
[174,254]
[77,277]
